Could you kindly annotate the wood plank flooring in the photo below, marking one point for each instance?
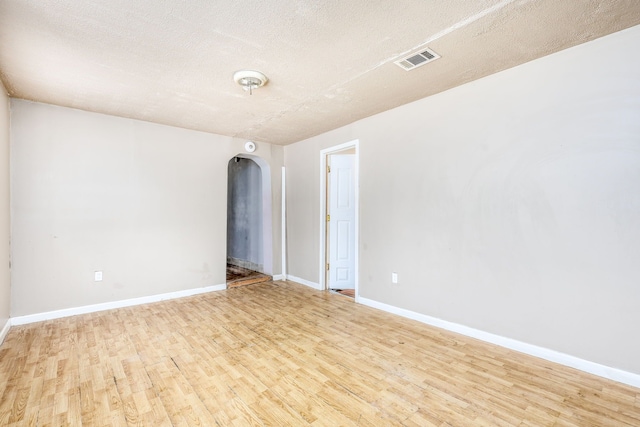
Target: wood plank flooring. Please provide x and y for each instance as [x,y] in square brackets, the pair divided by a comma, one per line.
[238,276]
[280,354]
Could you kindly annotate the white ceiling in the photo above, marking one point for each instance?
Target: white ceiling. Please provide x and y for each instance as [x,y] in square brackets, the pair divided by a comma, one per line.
[329,62]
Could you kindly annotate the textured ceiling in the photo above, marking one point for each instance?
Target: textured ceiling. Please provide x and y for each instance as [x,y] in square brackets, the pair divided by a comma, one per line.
[329,62]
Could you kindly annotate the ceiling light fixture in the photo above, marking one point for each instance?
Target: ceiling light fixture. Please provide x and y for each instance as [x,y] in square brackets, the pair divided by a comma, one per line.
[250,80]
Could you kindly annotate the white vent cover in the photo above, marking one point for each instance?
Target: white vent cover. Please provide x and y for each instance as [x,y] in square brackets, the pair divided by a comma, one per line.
[417,59]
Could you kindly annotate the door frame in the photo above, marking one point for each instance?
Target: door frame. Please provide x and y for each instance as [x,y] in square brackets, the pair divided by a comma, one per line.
[323,210]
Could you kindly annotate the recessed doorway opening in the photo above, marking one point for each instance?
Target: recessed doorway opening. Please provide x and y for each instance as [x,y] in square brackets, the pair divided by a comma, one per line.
[249,240]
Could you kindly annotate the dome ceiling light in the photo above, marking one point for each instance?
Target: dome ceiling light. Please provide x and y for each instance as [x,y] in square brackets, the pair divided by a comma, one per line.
[250,80]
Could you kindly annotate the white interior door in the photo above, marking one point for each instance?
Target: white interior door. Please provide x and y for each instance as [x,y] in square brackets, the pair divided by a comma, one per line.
[342,221]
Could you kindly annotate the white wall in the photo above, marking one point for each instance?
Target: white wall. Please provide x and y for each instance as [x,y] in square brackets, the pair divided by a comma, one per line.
[510,204]
[144,203]
[5,282]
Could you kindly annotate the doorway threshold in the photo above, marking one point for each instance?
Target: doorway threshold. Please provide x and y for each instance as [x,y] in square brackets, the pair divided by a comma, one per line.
[239,276]
[346,292]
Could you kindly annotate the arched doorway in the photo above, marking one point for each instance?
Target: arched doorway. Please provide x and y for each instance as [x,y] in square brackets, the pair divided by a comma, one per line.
[249,229]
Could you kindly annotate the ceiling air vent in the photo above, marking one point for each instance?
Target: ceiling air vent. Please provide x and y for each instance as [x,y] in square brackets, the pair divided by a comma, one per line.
[417,59]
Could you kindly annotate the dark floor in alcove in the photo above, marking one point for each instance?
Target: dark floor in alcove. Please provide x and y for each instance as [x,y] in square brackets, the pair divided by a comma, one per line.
[239,276]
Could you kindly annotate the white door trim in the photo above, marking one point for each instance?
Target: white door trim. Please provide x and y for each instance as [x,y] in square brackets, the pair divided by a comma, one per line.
[283,225]
[323,210]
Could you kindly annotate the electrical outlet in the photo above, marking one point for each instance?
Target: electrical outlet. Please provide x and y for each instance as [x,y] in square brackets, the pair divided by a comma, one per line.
[97,276]
[394,277]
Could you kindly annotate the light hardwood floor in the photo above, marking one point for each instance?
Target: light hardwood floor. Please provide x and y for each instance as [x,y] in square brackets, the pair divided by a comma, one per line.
[282,354]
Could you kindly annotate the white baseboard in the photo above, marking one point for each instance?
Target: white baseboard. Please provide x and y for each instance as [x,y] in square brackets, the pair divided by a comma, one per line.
[279,277]
[303,282]
[39,317]
[614,374]
[5,330]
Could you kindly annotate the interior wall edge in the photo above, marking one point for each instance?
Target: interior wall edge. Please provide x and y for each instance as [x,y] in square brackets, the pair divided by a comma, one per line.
[5,211]
[564,359]
[5,330]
